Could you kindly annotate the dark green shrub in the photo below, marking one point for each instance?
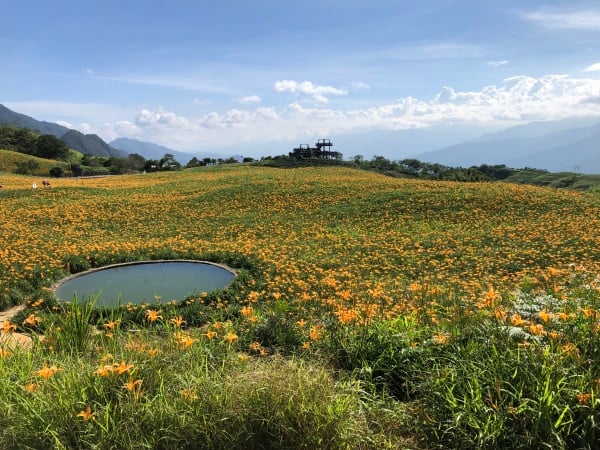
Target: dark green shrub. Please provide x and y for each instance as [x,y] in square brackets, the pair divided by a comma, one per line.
[56,172]
[278,333]
[76,264]
[392,355]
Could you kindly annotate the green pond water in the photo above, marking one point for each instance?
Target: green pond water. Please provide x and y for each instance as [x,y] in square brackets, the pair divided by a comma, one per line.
[144,282]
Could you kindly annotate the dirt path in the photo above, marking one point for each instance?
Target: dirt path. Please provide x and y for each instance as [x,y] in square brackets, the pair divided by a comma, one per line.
[9,313]
[10,341]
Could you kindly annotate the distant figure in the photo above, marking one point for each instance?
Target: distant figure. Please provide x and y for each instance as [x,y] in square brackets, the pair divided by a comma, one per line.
[34,185]
[46,183]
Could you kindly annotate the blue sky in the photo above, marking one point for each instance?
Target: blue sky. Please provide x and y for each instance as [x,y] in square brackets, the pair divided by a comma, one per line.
[254,77]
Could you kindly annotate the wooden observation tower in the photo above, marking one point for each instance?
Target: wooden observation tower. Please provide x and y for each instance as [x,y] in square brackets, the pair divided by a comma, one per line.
[322,149]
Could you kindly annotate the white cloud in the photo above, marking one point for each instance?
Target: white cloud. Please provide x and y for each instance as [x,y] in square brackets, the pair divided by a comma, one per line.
[320,98]
[500,63]
[360,85]
[89,71]
[83,127]
[146,118]
[267,114]
[318,93]
[64,123]
[581,19]
[250,99]
[592,68]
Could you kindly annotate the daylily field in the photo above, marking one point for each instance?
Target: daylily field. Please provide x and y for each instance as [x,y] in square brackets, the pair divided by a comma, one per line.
[371,312]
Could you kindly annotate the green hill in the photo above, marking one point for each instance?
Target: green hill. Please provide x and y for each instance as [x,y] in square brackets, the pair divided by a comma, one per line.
[89,144]
[10,161]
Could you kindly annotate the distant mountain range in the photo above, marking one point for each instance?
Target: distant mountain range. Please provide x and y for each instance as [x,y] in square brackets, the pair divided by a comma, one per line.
[154,151]
[566,145]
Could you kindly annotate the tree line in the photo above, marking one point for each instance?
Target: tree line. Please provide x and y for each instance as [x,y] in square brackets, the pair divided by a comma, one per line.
[415,168]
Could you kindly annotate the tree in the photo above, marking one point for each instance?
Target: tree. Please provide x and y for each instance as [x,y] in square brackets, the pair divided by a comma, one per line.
[76,170]
[21,140]
[91,161]
[56,172]
[151,165]
[194,162]
[381,163]
[167,162]
[136,161]
[358,159]
[50,147]
[411,165]
[118,165]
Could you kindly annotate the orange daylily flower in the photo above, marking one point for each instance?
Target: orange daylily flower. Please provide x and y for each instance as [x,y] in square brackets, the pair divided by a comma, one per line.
[133,386]
[231,337]
[104,371]
[111,325]
[153,315]
[210,334]
[8,327]
[177,321]
[87,414]
[441,338]
[122,367]
[32,320]
[246,311]
[47,372]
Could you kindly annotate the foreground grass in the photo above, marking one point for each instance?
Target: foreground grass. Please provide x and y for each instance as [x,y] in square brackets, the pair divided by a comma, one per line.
[167,387]
[372,313]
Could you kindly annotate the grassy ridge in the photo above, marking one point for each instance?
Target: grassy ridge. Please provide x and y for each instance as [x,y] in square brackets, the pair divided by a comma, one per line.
[557,180]
[10,160]
[408,303]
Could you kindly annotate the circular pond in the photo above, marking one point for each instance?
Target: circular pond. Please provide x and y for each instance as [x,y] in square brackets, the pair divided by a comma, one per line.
[144,282]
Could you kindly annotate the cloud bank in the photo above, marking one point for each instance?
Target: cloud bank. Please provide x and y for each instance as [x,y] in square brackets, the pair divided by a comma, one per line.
[518,99]
[515,100]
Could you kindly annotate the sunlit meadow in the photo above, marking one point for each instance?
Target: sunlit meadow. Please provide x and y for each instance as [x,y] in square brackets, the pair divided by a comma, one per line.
[375,312]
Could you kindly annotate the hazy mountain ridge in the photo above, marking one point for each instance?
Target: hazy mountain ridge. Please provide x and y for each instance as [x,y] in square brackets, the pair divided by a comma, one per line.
[537,129]
[149,150]
[9,117]
[555,146]
[583,155]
